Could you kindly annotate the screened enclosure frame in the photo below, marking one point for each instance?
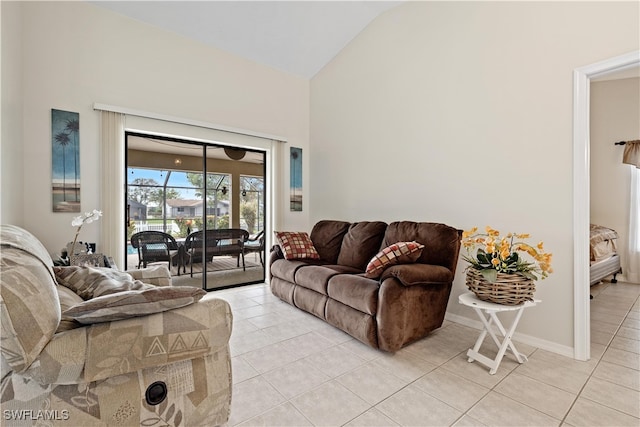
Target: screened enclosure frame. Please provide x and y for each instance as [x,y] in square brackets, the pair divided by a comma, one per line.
[214,186]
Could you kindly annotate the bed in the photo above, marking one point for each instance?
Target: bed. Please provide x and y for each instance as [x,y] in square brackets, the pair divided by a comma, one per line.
[604,258]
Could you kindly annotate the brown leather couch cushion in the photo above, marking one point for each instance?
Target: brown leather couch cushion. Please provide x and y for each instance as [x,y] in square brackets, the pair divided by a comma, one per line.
[361,243]
[418,274]
[359,325]
[343,269]
[327,238]
[355,291]
[314,277]
[441,241]
[286,269]
[310,301]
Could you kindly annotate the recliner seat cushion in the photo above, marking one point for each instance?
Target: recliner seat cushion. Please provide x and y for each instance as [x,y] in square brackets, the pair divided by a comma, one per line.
[360,243]
[355,291]
[343,269]
[314,277]
[285,269]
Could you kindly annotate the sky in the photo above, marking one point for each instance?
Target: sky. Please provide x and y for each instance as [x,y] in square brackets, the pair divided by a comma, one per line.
[177,179]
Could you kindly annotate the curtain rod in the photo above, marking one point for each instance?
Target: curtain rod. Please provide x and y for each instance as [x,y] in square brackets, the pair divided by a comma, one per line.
[625,142]
[180,120]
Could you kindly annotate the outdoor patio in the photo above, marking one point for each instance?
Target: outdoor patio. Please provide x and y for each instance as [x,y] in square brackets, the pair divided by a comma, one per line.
[221,272]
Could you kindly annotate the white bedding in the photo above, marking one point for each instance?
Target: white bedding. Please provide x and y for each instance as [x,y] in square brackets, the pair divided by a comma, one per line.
[602,243]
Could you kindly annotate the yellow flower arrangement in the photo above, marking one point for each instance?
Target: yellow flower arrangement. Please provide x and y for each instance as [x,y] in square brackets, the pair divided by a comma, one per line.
[496,254]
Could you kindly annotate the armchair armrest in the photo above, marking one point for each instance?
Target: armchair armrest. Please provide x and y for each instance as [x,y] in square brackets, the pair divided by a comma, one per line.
[104,350]
[158,275]
[418,274]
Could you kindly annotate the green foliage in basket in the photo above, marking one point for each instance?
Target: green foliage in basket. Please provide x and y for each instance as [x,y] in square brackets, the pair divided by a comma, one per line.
[496,254]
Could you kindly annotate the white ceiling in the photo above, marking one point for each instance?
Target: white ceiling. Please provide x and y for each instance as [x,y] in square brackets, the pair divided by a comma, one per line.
[299,37]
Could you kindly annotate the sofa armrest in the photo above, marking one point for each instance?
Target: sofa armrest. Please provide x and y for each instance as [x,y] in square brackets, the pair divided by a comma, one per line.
[104,350]
[158,275]
[275,254]
[418,274]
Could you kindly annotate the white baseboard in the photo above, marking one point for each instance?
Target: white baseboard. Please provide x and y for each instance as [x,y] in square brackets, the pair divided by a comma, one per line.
[553,347]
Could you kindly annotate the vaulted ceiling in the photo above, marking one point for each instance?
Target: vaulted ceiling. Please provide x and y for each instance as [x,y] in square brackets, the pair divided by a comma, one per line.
[299,37]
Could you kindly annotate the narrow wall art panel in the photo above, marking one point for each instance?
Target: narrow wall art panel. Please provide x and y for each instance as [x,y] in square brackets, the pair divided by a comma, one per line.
[65,161]
[296,179]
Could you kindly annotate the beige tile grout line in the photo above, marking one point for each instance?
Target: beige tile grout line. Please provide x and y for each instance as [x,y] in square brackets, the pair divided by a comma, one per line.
[598,364]
[480,399]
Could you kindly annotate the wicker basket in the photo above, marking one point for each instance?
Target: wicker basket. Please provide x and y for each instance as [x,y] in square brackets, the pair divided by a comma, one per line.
[508,289]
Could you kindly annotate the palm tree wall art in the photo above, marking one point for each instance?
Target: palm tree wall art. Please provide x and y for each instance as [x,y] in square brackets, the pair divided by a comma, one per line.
[65,161]
[296,179]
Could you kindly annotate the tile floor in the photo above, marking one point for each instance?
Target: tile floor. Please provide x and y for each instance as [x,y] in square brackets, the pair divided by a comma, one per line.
[292,369]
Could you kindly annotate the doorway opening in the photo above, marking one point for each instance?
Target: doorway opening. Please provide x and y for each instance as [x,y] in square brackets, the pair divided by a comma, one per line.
[198,208]
[581,189]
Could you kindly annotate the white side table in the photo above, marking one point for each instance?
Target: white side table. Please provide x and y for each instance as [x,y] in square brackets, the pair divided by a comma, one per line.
[487,311]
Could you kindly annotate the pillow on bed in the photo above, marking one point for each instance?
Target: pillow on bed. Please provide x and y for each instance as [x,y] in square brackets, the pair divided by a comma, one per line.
[397,253]
[127,304]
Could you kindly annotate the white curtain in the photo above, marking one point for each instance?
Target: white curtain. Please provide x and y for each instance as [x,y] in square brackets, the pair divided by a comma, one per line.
[632,269]
[112,185]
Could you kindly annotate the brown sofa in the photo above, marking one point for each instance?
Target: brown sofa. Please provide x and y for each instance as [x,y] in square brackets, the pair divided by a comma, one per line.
[401,306]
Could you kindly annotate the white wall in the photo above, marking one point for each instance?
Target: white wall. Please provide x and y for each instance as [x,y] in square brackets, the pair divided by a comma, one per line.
[461,112]
[439,111]
[11,151]
[615,116]
[75,54]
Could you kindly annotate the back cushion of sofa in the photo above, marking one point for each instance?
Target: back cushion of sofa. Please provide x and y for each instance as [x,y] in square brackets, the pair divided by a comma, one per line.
[327,238]
[29,311]
[442,242]
[361,243]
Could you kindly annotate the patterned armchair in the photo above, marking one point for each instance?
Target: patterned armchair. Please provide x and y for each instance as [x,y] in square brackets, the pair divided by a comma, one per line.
[169,367]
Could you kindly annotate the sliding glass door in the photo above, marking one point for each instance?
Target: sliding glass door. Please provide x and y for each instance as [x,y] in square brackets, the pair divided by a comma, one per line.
[196,207]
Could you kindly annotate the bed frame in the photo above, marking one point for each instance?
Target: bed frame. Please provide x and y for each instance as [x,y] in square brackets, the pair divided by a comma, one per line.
[602,269]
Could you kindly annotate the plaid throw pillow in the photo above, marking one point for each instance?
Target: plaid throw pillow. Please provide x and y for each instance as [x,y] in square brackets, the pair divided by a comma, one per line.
[296,245]
[398,253]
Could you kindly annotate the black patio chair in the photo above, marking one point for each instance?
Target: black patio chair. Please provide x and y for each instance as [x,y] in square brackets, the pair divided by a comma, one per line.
[202,247]
[255,244]
[156,246]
